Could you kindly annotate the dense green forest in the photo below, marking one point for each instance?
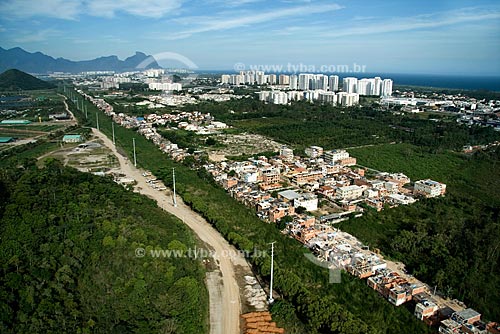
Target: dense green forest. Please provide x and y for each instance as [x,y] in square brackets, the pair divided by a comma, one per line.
[303,124]
[450,242]
[310,304]
[68,261]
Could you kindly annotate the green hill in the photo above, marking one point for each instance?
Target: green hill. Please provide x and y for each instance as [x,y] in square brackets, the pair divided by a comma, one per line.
[17,80]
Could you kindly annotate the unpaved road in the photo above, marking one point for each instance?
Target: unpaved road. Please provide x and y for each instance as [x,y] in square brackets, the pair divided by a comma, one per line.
[225,304]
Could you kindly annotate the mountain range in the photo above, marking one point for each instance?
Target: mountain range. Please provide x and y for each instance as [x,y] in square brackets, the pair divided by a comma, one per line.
[40,63]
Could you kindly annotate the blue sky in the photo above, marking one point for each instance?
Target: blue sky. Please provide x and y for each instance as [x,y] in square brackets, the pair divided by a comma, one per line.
[437,37]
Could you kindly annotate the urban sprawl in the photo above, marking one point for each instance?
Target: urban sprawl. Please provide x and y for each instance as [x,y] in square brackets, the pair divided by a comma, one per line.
[289,188]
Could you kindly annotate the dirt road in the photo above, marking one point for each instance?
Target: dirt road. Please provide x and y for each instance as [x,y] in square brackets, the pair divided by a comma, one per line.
[224,292]
[73,120]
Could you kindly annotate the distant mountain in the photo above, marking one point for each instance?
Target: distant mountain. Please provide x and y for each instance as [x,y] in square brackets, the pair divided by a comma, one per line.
[38,62]
[18,80]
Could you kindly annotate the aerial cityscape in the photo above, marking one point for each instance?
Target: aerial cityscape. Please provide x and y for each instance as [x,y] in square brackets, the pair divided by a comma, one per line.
[249,167]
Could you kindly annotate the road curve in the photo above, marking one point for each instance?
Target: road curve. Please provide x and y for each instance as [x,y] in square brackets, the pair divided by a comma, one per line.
[224,318]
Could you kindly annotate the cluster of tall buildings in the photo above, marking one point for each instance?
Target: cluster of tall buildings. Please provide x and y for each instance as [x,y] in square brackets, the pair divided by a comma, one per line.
[311,81]
[303,81]
[372,86]
[327,97]
[249,78]
[311,87]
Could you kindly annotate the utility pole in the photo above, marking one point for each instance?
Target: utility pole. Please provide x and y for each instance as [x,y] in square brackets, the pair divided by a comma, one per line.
[271,299]
[135,157]
[97,120]
[86,113]
[113,129]
[173,178]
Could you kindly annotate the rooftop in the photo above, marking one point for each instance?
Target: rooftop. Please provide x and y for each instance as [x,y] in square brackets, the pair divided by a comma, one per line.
[289,194]
[468,313]
[15,121]
[4,140]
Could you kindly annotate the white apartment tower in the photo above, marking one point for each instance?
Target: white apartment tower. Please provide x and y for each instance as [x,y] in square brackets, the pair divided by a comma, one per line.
[271,79]
[328,98]
[349,85]
[225,78]
[294,82]
[386,87]
[377,86]
[333,83]
[284,79]
[305,81]
[260,77]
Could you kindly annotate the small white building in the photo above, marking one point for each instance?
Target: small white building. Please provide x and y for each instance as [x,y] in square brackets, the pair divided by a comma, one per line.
[429,188]
[286,153]
[307,201]
[250,177]
[349,192]
[314,151]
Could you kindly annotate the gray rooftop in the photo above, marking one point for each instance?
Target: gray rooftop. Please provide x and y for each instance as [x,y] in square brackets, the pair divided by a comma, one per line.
[289,194]
[468,313]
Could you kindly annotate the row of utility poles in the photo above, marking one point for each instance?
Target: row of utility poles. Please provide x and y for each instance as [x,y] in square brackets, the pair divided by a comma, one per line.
[84,108]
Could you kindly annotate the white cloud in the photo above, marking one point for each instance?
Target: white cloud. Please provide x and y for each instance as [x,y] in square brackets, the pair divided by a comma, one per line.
[37,36]
[71,9]
[224,23]
[61,9]
[419,22]
[234,3]
[145,8]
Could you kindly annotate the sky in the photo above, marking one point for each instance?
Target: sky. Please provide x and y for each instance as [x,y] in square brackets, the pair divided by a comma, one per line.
[393,36]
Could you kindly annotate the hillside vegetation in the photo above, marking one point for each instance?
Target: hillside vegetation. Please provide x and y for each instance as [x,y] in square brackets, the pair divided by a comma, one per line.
[17,80]
[68,260]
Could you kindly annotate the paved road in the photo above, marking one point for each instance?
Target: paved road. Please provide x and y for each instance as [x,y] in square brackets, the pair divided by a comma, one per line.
[224,312]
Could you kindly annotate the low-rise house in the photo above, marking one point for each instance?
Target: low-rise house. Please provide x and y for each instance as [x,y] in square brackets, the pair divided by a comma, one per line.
[425,309]
[429,188]
[307,201]
[374,203]
[280,211]
[466,316]
[288,195]
[392,187]
[270,175]
[449,326]
[349,192]
[326,191]
[398,199]
[314,151]
[306,177]
[350,161]
[229,183]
